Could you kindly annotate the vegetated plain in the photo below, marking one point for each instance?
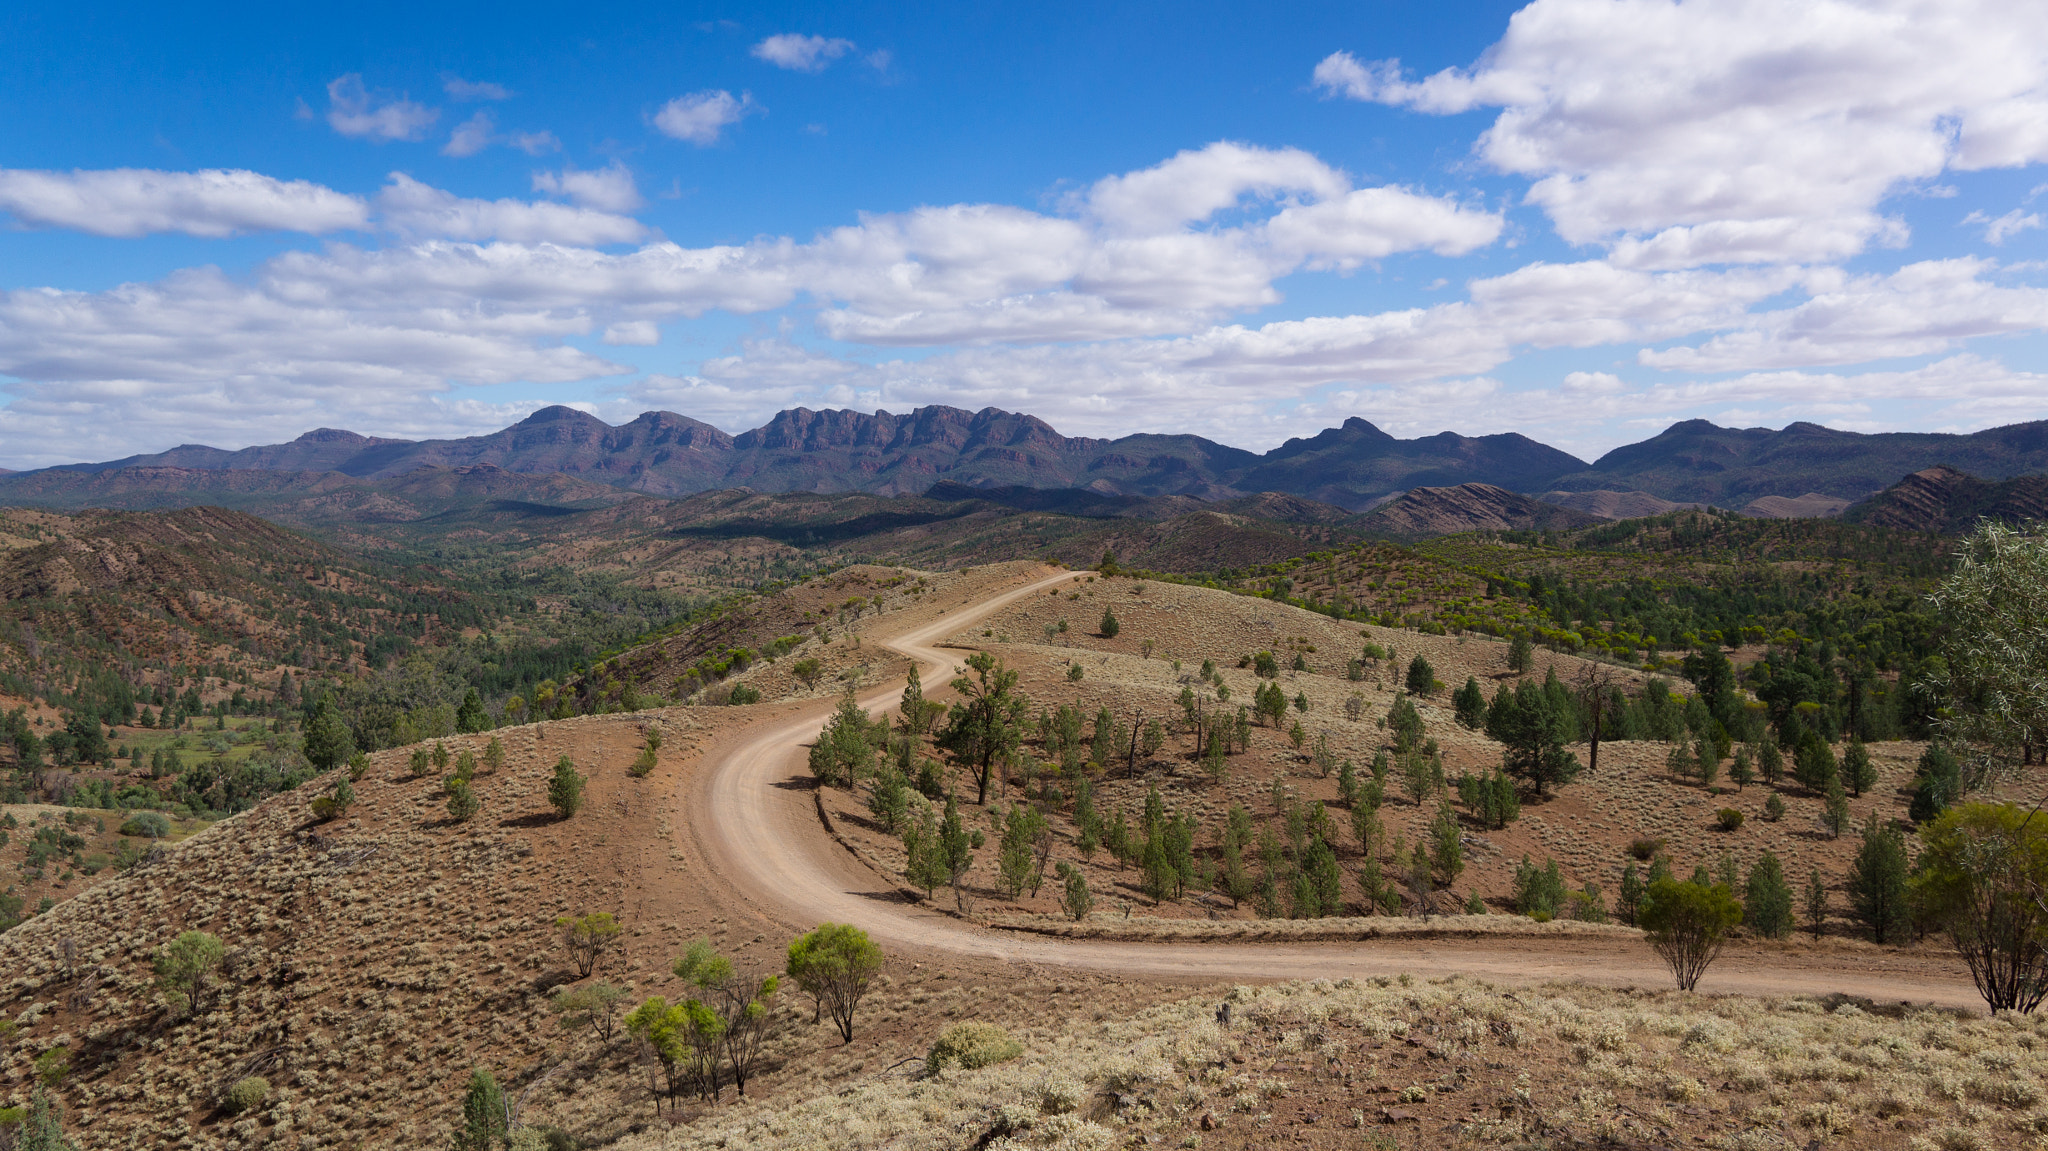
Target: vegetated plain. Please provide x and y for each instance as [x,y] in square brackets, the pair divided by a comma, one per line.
[372,956]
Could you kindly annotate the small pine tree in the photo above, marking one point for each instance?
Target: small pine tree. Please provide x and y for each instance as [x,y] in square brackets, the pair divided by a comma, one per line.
[1774,808]
[1075,898]
[1109,626]
[43,1128]
[1767,899]
[1857,771]
[565,789]
[1770,762]
[1816,904]
[1521,654]
[1421,677]
[1835,816]
[462,801]
[1446,849]
[494,751]
[1471,704]
[1628,900]
[483,1114]
[1877,883]
[1743,770]
[1937,782]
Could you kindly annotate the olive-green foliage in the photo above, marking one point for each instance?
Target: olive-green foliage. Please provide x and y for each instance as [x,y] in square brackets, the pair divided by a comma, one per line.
[1937,783]
[835,965]
[462,801]
[565,788]
[1539,891]
[328,742]
[1686,924]
[988,724]
[970,1045]
[147,825]
[1981,869]
[1446,852]
[53,1066]
[1075,898]
[1993,674]
[1109,626]
[1816,904]
[1492,799]
[43,1127]
[245,1095]
[1533,725]
[185,970]
[589,938]
[593,1005]
[845,751]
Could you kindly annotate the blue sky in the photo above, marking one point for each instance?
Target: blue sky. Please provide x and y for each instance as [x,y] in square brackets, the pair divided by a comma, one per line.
[1581,220]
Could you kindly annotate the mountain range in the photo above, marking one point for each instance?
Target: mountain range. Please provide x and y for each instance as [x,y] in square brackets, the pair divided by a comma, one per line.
[1355,466]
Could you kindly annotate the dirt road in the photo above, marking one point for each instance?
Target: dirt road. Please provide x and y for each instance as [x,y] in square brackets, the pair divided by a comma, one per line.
[757,828]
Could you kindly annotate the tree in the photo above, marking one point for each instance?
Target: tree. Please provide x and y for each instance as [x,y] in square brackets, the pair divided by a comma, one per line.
[1767,899]
[1937,783]
[835,965]
[988,725]
[1993,673]
[185,970]
[924,864]
[916,712]
[1491,799]
[1877,882]
[1075,898]
[742,1003]
[483,1114]
[43,1128]
[1471,704]
[1521,654]
[1982,877]
[588,939]
[470,716]
[1686,923]
[1446,851]
[335,803]
[595,1005]
[1835,813]
[1628,898]
[1816,904]
[462,801]
[1017,851]
[565,789]
[1857,771]
[1529,724]
[1421,677]
[1109,626]
[682,1040]
[845,750]
[328,742]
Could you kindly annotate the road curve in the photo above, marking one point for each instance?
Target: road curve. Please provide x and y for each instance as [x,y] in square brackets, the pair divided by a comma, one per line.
[754,821]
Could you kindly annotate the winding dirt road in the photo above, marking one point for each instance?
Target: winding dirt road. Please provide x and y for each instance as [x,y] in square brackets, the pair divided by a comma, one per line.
[752,815]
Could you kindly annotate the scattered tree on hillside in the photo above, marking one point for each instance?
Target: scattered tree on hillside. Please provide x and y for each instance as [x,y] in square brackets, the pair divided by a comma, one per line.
[1982,878]
[1686,924]
[1421,677]
[1109,626]
[1471,704]
[988,724]
[1937,783]
[742,1003]
[1816,904]
[565,788]
[595,1005]
[1767,899]
[1877,883]
[1532,728]
[470,716]
[42,1129]
[185,971]
[1521,654]
[483,1114]
[915,712]
[844,753]
[1858,773]
[589,938]
[462,801]
[328,742]
[835,965]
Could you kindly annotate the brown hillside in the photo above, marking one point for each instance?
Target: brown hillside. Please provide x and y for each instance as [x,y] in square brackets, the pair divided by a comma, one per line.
[1944,500]
[1469,507]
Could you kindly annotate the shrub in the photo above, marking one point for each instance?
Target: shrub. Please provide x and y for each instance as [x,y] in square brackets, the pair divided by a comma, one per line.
[565,790]
[336,803]
[1538,890]
[1686,923]
[808,671]
[1774,808]
[970,1045]
[185,968]
[147,825]
[1645,848]
[595,1005]
[1074,672]
[245,1095]
[1979,866]
[743,694]
[1729,819]
[1109,626]
[1075,898]
[462,801]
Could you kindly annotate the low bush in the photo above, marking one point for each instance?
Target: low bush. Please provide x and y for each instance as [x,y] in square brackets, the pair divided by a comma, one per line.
[970,1045]
[147,825]
[1729,819]
[1645,848]
[246,1095]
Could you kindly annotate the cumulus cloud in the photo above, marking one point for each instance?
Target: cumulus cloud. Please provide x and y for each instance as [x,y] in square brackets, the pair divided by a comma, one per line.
[800,53]
[633,333]
[412,208]
[701,117]
[379,117]
[1689,133]
[1198,183]
[138,201]
[608,189]
[1921,309]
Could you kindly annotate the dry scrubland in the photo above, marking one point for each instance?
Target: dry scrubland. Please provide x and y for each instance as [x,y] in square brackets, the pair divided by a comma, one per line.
[1449,1062]
[1587,826]
[376,958]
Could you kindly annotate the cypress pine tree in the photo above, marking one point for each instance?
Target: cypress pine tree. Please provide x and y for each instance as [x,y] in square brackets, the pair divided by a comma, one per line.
[1857,770]
[1877,883]
[1767,900]
[483,1114]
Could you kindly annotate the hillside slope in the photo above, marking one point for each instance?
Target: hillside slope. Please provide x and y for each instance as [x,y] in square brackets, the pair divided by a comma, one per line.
[1950,502]
[1422,512]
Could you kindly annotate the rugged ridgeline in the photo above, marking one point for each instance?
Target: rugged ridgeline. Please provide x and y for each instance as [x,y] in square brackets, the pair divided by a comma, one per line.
[1423,512]
[1950,502]
[1355,466]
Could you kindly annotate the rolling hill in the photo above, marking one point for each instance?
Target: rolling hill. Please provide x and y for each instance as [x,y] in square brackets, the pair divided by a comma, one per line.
[1950,502]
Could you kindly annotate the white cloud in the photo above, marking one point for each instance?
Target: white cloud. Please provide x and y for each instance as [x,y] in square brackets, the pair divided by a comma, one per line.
[472,90]
[701,117]
[1372,223]
[608,189]
[633,333]
[1997,232]
[1701,132]
[800,53]
[472,135]
[417,209]
[1198,183]
[138,201]
[355,111]
[534,143]
[1921,309]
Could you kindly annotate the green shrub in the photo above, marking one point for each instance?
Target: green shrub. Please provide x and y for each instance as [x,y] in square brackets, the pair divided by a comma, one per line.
[246,1095]
[147,825]
[970,1045]
[1729,819]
